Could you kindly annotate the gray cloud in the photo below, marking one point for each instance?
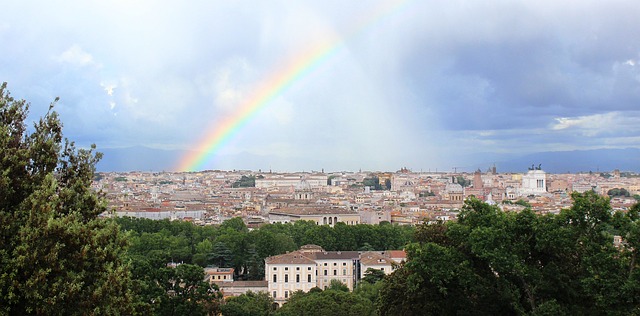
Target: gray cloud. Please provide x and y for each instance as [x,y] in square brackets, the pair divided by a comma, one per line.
[423,83]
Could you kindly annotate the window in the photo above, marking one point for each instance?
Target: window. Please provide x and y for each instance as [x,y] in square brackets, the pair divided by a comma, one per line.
[286,294]
[344,263]
[286,278]
[308,277]
[344,271]
[309,268]
[275,278]
[335,264]
[325,272]
[297,278]
[335,272]
[325,264]
[275,269]
[274,294]
[297,268]
[286,268]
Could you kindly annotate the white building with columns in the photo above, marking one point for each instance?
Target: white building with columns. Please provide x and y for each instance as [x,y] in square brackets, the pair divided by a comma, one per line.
[534,182]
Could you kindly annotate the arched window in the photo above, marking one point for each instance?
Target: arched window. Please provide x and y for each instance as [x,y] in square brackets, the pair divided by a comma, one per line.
[275,278]
[286,278]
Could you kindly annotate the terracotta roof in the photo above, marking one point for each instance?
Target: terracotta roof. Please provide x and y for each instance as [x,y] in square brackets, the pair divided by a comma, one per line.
[333,255]
[397,253]
[295,257]
[374,258]
[242,284]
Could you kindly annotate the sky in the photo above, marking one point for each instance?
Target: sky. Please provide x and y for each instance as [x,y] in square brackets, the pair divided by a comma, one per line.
[421,84]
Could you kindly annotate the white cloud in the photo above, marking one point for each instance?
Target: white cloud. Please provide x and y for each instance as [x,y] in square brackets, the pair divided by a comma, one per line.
[599,124]
[108,87]
[76,56]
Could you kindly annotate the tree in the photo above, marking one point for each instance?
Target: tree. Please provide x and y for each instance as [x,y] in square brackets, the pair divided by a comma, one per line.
[56,255]
[618,192]
[245,182]
[249,304]
[495,262]
[236,224]
[463,181]
[186,293]
[372,275]
[328,302]
[221,255]
[336,285]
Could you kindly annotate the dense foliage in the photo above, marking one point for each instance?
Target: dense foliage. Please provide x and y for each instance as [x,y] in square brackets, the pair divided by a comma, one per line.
[232,245]
[245,182]
[56,255]
[335,300]
[492,262]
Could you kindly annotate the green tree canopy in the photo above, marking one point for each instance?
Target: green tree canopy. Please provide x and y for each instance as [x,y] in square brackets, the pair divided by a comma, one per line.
[56,255]
[492,262]
[249,304]
[187,293]
[373,275]
[328,302]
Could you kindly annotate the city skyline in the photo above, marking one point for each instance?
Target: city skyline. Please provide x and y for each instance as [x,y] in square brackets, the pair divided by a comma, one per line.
[374,85]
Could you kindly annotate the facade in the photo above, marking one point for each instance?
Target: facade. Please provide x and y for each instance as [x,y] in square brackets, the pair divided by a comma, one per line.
[311,181]
[237,288]
[338,265]
[158,214]
[311,266]
[291,272]
[320,215]
[218,275]
[534,182]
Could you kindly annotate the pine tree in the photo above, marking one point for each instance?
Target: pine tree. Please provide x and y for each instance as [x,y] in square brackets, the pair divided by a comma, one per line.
[56,255]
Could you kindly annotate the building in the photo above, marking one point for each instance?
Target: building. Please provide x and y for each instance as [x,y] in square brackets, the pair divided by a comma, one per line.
[377,261]
[320,215]
[534,182]
[312,181]
[311,266]
[216,275]
[290,272]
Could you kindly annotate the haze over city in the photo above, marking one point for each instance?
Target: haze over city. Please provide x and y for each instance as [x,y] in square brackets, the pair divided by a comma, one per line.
[335,85]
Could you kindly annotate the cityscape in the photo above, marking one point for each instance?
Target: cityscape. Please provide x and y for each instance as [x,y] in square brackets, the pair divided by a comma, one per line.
[285,158]
[402,197]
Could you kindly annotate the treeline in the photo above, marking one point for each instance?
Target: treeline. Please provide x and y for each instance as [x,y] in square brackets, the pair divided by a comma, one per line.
[491,262]
[164,290]
[233,245]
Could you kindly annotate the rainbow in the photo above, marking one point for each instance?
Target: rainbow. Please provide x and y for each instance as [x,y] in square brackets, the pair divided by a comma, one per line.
[294,69]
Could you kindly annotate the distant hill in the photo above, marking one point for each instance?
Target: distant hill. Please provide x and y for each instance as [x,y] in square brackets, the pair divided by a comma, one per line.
[149,159]
[597,160]
[138,158]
